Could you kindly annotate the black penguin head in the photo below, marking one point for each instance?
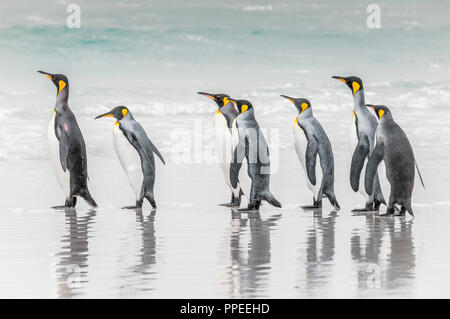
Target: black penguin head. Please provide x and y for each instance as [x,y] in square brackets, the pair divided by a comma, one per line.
[119,112]
[300,103]
[379,110]
[60,81]
[353,82]
[242,105]
[220,99]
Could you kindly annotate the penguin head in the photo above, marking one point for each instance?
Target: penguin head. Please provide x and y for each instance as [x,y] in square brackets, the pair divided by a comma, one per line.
[353,82]
[220,99]
[60,81]
[242,105]
[119,112]
[300,103]
[379,110]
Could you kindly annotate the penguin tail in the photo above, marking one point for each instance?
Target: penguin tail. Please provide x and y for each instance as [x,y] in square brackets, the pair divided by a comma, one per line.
[409,208]
[88,198]
[271,200]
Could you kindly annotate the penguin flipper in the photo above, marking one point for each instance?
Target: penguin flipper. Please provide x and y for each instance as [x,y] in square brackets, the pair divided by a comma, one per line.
[235,165]
[311,156]
[155,150]
[359,156]
[132,138]
[63,148]
[420,175]
[372,165]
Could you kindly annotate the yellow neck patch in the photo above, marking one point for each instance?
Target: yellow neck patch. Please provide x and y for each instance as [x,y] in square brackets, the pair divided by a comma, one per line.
[218,112]
[380,114]
[225,101]
[124,112]
[356,87]
[117,123]
[296,120]
[61,85]
[304,106]
[244,108]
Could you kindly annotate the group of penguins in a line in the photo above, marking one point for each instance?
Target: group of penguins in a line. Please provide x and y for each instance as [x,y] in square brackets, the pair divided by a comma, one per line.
[377,137]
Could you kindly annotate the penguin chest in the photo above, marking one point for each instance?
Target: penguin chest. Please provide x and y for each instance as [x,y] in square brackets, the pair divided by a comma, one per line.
[62,177]
[129,159]
[301,144]
[223,144]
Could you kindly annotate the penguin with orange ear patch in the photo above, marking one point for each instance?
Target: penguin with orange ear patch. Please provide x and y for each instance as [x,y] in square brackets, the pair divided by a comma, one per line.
[135,152]
[311,141]
[67,147]
[251,145]
[362,140]
[392,146]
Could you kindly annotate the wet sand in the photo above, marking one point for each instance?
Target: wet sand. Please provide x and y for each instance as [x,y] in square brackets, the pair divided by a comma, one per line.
[191,247]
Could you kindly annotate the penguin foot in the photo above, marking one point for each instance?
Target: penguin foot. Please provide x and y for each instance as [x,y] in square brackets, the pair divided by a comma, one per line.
[377,204]
[316,205]
[311,207]
[390,212]
[252,207]
[246,210]
[230,204]
[131,207]
[368,208]
[62,207]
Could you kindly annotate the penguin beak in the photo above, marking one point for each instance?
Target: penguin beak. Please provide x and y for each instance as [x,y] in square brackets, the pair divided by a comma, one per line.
[340,78]
[211,96]
[49,75]
[233,101]
[109,114]
[287,97]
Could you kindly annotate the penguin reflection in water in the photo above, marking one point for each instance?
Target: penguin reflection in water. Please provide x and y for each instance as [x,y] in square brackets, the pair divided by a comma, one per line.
[392,146]
[135,152]
[67,147]
[223,119]
[251,144]
[311,140]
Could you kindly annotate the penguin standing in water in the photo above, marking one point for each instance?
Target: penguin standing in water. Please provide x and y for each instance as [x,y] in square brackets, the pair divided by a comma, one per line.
[364,125]
[135,152]
[310,139]
[251,144]
[67,147]
[223,119]
[392,146]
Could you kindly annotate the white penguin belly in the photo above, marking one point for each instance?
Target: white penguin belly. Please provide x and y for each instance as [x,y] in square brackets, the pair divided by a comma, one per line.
[301,143]
[130,160]
[62,177]
[224,148]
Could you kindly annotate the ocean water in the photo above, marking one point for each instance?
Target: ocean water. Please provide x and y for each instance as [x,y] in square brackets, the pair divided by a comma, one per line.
[153,56]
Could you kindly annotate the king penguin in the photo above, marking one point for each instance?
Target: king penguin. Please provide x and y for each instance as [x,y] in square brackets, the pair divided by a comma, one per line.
[67,147]
[392,146]
[252,145]
[362,142]
[135,152]
[311,140]
[223,119]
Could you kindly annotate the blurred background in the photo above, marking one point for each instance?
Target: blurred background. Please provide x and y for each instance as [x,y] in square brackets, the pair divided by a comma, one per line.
[153,56]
